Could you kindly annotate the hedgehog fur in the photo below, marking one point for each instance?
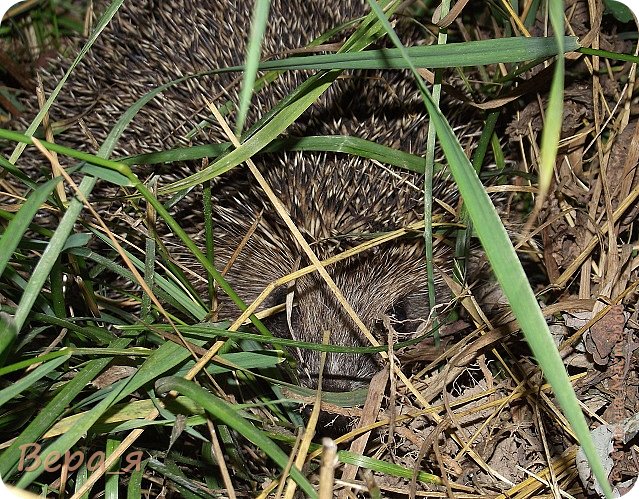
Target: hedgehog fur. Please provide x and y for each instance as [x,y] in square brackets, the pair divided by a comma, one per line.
[336,201]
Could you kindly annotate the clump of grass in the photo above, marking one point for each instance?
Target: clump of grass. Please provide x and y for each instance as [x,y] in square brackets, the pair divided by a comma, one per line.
[32,32]
[127,339]
[34,27]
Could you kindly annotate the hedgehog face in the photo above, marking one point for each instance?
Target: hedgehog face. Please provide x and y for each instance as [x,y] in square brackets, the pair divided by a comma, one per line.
[385,285]
[337,203]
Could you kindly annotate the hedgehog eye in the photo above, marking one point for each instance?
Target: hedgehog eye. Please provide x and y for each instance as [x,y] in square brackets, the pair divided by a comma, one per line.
[397,312]
[398,315]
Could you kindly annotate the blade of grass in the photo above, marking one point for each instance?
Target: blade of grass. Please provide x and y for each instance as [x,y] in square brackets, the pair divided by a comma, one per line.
[615,56]
[460,54]
[14,232]
[354,146]
[134,487]
[25,382]
[51,253]
[8,334]
[112,478]
[172,473]
[258,27]
[554,112]
[385,468]
[464,235]
[429,173]
[208,331]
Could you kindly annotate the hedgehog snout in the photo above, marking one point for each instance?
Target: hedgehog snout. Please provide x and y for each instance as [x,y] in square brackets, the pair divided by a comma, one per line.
[343,372]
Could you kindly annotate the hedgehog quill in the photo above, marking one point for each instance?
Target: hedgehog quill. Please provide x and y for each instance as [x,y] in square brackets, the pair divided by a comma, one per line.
[337,201]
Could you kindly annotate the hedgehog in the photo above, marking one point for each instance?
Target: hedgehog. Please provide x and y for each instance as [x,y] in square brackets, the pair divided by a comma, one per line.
[337,201]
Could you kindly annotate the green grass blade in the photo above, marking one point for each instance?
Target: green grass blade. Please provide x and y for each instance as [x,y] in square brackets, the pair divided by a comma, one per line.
[354,146]
[98,160]
[168,356]
[207,332]
[258,27]
[461,54]
[429,173]
[17,173]
[25,382]
[615,56]
[385,468]
[554,112]
[112,477]
[51,253]
[12,236]
[134,487]
[8,334]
